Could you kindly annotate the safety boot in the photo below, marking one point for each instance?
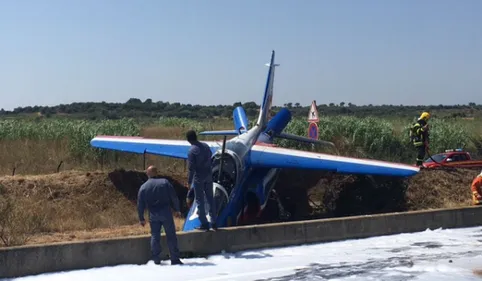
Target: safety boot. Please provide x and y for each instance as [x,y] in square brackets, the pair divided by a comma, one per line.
[177,262]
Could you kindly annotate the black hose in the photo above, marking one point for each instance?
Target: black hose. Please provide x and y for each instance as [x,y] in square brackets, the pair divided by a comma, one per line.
[430,155]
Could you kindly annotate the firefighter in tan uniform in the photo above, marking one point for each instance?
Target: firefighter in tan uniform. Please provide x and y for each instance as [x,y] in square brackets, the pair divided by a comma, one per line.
[477,190]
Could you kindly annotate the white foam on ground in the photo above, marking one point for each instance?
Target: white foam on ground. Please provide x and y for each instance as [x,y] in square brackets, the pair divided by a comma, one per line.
[396,257]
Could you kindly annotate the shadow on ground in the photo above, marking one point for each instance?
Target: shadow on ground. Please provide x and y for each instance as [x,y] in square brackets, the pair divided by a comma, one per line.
[308,194]
[315,194]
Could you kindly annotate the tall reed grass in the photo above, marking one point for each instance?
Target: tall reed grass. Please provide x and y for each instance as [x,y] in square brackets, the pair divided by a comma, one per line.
[40,141]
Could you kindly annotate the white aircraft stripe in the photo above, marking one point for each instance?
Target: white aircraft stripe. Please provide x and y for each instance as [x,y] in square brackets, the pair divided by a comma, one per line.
[321,156]
[141,140]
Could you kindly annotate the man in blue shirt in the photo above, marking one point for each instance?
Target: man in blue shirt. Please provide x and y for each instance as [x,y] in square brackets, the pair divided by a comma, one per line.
[200,178]
[158,196]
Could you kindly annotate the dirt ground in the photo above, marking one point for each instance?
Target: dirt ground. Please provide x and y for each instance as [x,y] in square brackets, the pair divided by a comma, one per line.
[69,206]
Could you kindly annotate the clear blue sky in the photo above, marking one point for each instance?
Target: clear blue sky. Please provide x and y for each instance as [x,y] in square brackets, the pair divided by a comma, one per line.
[214,51]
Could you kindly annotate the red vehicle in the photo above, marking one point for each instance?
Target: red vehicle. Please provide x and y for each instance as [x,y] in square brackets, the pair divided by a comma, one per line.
[452,158]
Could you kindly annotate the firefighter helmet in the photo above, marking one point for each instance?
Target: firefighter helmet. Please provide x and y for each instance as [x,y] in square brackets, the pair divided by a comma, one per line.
[424,116]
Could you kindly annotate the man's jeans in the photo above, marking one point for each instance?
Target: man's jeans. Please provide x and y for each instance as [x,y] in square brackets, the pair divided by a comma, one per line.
[170,230]
[201,190]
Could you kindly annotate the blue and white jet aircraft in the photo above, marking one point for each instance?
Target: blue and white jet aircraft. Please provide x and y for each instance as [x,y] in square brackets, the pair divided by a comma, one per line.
[250,162]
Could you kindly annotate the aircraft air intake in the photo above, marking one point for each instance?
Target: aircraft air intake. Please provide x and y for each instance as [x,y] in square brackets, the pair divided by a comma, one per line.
[276,125]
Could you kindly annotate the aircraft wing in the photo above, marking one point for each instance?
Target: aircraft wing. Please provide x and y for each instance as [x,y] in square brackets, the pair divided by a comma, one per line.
[276,157]
[163,147]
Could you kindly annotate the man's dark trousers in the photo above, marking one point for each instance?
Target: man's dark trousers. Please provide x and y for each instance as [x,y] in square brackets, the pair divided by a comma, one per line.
[170,230]
[202,190]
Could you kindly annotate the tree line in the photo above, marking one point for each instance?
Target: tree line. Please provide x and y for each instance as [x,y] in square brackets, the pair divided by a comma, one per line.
[135,108]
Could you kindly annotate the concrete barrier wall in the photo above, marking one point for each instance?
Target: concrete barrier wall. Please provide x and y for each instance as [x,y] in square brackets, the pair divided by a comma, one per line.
[32,260]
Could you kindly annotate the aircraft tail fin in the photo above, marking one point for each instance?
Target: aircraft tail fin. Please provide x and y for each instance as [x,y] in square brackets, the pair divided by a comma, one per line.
[240,119]
[265,108]
[241,125]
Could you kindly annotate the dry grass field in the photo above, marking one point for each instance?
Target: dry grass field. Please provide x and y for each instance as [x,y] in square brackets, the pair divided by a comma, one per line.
[78,205]
[69,206]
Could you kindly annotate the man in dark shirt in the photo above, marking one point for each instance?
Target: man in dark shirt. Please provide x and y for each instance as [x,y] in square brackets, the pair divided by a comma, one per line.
[200,178]
[158,195]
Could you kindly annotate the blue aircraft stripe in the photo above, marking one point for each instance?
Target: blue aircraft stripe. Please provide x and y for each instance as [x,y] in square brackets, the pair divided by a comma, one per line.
[140,146]
[191,224]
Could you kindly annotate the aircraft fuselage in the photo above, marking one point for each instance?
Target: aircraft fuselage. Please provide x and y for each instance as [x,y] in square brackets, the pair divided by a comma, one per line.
[239,177]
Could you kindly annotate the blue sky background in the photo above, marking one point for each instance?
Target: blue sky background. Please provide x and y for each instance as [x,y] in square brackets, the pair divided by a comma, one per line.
[214,51]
